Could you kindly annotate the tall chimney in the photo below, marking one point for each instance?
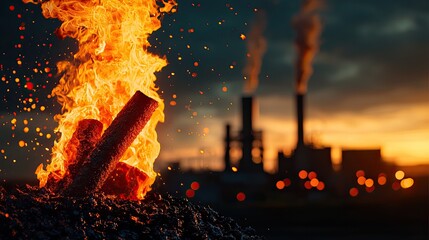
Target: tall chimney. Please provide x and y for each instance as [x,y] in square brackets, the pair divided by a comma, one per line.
[247,133]
[300,119]
[227,157]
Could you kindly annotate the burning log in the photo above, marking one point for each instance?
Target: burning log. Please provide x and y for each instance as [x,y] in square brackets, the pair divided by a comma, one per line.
[125,181]
[103,159]
[81,144]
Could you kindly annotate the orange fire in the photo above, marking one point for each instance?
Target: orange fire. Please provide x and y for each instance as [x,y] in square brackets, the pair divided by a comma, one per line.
[112,63]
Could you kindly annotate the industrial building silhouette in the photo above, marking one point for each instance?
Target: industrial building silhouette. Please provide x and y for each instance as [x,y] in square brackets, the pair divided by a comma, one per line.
[307,170]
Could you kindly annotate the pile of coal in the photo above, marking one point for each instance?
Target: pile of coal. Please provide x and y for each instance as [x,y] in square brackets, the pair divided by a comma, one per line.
[30,213]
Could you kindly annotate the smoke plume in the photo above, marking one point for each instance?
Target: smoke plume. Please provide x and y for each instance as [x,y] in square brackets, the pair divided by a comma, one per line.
[256,47]
[308,27]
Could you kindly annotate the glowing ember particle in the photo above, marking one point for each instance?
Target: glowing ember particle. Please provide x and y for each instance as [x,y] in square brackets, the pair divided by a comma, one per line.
[224,89]
[206,130]
[190,193]
[196,64]
[29,85]
[382,180]
[11,7]
[320,186]
[307,185]
[21,143]
[360,173]
[303,174]
[241,196]
[369,182]
[370,189]
[234,169]
[42,108]
[280,185]
[242,36]
[26,129]
[361,180]
[173,103]
[407,183]
[195,186]
[396,185]
[399,174]
[353,192]
[287,182]
[312,175]
[314,182]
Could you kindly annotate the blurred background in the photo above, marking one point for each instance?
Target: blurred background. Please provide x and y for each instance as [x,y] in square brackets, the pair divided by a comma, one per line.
[303,120]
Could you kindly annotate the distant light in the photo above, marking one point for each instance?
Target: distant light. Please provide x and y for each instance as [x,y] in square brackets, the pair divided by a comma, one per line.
[360,173]
[399,175]
[190,193]
[396,185]
[312,175]
[353,192]
[382,180]
[361,180]
[302,174]
[195,186]
[370,189]
[407,183]
[320,186]
[241,196]
[314,182]
[369,182]
[280,185]
[234,169]
[287,182]
[307,185]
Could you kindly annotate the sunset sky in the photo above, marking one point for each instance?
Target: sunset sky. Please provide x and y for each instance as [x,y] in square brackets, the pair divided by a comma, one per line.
[369,89]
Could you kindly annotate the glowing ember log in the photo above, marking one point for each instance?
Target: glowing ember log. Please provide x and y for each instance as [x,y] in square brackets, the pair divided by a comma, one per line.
[125,182]
[79,147]
[103,160]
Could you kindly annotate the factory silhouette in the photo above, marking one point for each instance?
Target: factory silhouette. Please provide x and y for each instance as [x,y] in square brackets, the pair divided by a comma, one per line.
[307,172]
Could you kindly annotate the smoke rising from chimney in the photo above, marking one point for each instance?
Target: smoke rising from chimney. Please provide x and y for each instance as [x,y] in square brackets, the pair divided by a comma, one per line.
[308,27]
[256,47]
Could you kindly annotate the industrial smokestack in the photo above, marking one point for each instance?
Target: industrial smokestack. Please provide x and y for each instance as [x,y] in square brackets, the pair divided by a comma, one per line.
[300,118]
[227,157]
[250,139]
[247,133]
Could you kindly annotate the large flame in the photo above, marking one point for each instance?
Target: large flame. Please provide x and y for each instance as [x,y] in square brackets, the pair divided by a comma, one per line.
[256,47]
[112,63]
[308,27]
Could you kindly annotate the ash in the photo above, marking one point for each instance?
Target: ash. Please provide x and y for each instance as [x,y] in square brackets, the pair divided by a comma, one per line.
[30,213]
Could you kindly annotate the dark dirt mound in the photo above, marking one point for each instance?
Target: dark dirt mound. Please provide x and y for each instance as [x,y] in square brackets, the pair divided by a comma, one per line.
[29,213]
